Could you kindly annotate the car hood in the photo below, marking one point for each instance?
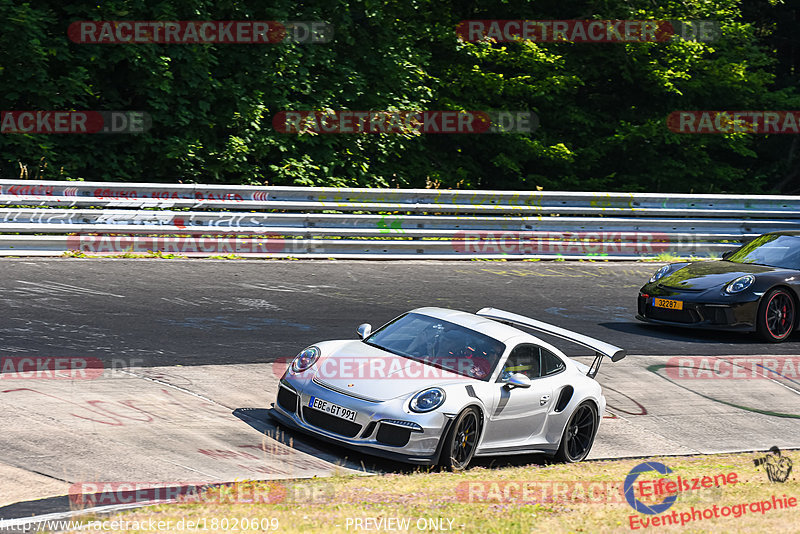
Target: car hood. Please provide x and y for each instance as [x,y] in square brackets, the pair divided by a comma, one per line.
[362,370]
[704,275]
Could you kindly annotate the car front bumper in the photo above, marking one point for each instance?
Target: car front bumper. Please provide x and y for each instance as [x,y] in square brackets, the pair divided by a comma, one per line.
[382,429]
[699,310]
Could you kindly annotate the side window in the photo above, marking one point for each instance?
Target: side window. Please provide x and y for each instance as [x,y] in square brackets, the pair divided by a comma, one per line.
[531,361]
[551,364]
[524,359]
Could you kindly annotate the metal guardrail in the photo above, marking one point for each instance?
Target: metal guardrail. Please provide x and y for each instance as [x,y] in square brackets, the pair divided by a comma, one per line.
[135,195]
[46,218]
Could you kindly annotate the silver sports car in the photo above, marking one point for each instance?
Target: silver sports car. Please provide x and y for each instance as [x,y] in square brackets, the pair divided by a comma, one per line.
[438,386]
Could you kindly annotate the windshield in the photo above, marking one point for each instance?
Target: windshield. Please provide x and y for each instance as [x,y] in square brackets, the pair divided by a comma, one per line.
[782,251]
[440,343]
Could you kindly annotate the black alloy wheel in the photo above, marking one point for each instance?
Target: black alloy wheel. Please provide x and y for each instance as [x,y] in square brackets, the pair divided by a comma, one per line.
[776,316]
[461,441]
[579,434]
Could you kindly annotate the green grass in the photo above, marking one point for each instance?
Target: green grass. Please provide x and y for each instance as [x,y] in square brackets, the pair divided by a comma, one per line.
[331,505]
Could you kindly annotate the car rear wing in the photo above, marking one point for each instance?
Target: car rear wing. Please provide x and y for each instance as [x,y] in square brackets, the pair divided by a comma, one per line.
[600,348]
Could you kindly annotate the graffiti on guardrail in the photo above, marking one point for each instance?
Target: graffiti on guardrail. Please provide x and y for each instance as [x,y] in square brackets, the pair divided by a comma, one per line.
[28,190]
[178,220]
[165,194]
[433,200]
[391,224]
[117,193]
[242,220]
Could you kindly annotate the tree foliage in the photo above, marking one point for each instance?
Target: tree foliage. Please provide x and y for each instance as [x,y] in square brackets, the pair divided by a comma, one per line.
[602,107]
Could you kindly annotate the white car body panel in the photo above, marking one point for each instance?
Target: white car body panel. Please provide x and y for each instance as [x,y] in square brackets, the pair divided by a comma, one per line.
[514,420]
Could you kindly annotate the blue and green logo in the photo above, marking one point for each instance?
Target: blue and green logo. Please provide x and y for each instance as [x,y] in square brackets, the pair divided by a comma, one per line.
[638,505]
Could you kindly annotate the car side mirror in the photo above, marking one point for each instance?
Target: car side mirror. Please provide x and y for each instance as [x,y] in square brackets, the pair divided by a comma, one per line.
[518,380]
[364,330]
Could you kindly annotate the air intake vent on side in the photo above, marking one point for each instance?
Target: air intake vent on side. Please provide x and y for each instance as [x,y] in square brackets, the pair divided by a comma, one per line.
[564,398]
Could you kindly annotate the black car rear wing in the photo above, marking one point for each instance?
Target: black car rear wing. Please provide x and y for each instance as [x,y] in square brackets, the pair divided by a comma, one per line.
[600,348]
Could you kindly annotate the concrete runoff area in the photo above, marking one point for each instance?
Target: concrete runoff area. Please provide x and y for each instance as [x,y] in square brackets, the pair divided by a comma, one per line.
[145,426]
[19,484]
[188,352]
[176,425]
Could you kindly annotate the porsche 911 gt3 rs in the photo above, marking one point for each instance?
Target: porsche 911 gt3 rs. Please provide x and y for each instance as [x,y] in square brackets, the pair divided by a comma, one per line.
[438,386]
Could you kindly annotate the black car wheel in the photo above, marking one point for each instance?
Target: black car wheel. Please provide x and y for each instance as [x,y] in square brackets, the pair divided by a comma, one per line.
[461,441]
[776,316]
[579,434]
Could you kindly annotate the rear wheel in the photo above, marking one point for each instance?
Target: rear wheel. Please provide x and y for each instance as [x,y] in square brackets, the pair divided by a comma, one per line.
[461,442]
[578,437]
[776,316]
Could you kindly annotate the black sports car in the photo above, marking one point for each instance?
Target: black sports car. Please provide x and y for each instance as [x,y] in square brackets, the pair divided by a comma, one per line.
[754,288]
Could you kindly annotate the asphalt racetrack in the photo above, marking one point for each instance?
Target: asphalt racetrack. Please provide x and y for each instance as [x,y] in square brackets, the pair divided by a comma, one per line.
[188,351]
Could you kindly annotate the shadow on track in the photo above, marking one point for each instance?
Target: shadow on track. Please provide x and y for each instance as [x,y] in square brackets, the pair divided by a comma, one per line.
[690,335]
[260,420]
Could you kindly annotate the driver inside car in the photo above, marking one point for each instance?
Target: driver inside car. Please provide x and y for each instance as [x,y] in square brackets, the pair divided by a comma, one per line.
[523,360]
[426,344]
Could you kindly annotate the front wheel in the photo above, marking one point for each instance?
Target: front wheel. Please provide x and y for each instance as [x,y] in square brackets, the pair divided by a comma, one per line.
[776,316]
[461,442]
[579,434]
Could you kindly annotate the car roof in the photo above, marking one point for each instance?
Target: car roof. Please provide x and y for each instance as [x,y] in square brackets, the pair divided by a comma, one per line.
[489,327]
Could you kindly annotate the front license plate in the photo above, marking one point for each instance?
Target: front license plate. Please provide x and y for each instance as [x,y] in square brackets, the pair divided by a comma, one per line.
[333,409]
[668,304]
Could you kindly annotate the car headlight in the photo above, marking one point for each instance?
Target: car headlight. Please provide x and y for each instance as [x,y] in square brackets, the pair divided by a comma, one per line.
[427,400]
[660,273]
[740,284]
[305,359]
